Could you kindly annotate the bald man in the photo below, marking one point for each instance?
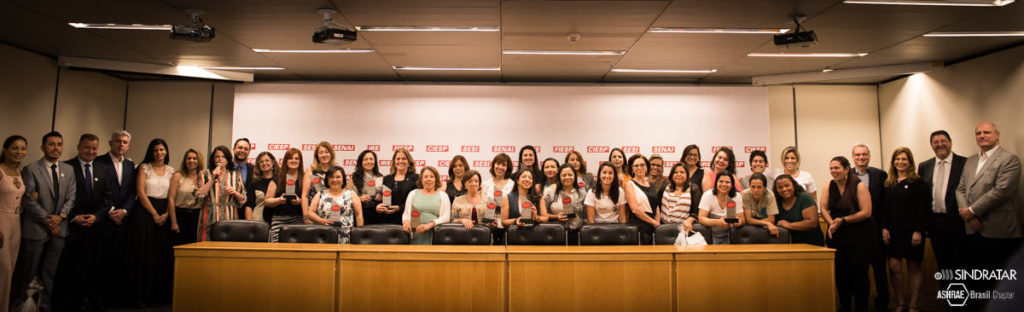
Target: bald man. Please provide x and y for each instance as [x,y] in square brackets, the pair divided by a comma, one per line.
[986,197]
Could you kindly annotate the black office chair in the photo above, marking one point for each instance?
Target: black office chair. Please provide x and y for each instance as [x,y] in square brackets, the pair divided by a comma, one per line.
[666,234]
[308,233]
[609,234]
[379,234]
[457,234]
[754,234]
[240,231]
[540,234]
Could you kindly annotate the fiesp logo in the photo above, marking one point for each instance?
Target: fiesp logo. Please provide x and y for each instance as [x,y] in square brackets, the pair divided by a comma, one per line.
[748,149]
[350,162]
[471,148]
[481,163]
[437,148]
[598,149]
[631,149]
[663,149]
[278,147]
[503,149]
[396,147]
[374,148]
[562,148]
[714,149]
[344,147]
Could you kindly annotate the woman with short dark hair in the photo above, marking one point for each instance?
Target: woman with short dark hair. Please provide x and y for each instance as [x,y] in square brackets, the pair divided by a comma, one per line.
[368,183]
[337,206]
[644,199]
[224,192]
[715,206]
[798,212]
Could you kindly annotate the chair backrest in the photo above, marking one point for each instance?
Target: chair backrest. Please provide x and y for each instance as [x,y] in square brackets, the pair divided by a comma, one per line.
[753,234]
[387,234]
[457,234]
[539,234]
[240,231]
[308,233]
[609,234]
[666,234]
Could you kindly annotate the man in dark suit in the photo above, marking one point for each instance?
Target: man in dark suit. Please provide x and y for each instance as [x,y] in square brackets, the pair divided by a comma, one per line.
[945,228]
[987,202]
[77,272]
[241,159]
[874,179]
[43,230]
[112,230]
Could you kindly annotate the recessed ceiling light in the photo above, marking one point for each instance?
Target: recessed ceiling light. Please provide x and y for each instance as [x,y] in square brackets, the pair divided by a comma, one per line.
[549,52]
[120,26]
[447,68]
[975,34]
[241,68]
[827,70]
[314,51]
[983,3]
[807,54]
[428,28]
[696,30]
[666,71]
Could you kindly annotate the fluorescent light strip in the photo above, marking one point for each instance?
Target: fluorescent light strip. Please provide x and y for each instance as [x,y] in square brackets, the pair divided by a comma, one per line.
[976,3]
[665,71]
[690,30]
[447,68]
[120,26]
[807,54]
[546,52]
[428,28]
[313,51]
[975,34]
[241,68]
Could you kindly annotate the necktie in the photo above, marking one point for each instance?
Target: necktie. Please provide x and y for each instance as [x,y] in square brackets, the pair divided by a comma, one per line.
[88,180]
[56,184]
[940,183]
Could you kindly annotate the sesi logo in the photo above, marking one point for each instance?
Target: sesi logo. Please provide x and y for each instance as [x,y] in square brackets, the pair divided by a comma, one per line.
[443,163]
[375,148]
[396,147]
[714,149]
[482,163]
[748,149]
[278,147]
[308,147]
[663,149]
[563,148]
[384,163]
[437,148]
[349,162]
[503,149]
[344,147]
[631,149]
[471,148]
[598,149]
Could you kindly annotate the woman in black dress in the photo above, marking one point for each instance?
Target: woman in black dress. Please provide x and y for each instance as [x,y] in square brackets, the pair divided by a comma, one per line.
[905,212]
[401,181]
[456,169]
[266,170]
[644,199]
[149,246]
[691,158]
[847,209]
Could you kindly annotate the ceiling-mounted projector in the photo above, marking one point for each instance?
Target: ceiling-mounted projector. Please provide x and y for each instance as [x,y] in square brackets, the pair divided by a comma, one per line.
[197,31]
[800,37]
[329,34]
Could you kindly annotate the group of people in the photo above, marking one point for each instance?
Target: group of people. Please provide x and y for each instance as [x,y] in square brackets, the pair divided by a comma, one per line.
[99,228]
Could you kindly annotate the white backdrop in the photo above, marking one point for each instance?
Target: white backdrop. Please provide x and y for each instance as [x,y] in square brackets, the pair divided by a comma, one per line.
[438,121]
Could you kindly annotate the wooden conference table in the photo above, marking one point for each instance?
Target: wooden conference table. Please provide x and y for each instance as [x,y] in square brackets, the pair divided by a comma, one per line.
[230,276]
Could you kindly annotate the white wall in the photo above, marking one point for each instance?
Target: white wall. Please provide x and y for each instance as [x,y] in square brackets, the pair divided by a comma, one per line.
[27,85]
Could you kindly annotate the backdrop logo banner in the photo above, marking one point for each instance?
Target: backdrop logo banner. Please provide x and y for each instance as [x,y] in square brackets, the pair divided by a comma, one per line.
[503,149]
[669,164]
[749,149]
[705,163]
[408,147]
[421,163]
[741,164]
[384,163]
[278,147]
[562,148]
[344,147]
[598,149]
[350,163]
[437,148]
[482,164]
[631,149]
[308,147]
[443,163]
[714,149]
[663,149]
[471,148]
[374,147]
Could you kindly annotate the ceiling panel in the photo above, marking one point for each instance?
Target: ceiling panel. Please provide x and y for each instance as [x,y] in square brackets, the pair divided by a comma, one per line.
[438,49]
[420,13]
[740,14]
[928,49]
[689,51]
[361,66]
[603,25]
[555,67]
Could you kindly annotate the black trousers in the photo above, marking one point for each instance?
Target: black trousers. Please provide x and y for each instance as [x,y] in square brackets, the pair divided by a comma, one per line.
[880,268]
[854,243]
[949,242]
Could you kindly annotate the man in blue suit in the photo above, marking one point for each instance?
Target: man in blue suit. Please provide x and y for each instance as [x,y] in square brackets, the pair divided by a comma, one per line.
[112,230]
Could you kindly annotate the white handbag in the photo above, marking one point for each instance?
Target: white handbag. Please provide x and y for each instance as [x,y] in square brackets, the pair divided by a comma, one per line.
[690,239]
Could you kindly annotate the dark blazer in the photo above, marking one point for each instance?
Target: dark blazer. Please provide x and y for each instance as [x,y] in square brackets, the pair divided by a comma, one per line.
[249,168]
[927,169]
[123,193]
[876,186]
[36,212]
[98,203]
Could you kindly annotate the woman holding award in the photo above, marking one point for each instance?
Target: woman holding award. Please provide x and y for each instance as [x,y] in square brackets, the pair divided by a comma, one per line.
[285,204]
[425,208]
[315,179]
[564,202]
[522,203]
[721,207]
[497,188]
[397,186]
[337,206]
[472,207]
[368,184]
